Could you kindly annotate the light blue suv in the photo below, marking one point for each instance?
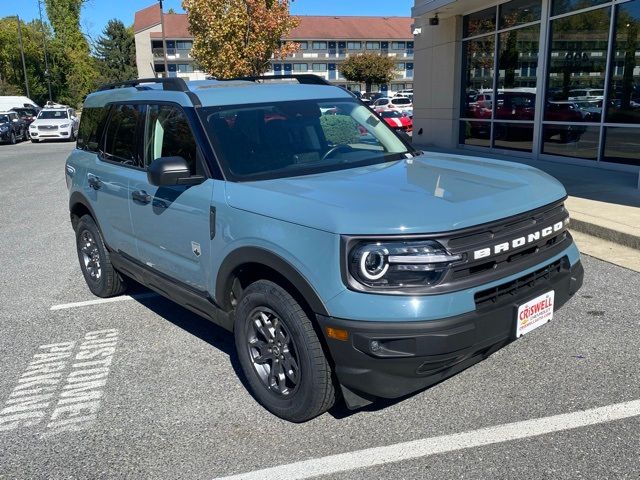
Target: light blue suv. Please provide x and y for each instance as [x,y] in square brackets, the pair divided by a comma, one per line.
[344,261]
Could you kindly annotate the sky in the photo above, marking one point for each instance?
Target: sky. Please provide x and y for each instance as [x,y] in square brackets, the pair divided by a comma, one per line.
[96,13]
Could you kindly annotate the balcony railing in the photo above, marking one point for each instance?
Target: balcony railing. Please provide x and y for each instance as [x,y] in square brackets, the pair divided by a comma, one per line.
[172,53]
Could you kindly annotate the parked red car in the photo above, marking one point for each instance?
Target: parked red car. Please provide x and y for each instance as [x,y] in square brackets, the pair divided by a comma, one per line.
[397,120]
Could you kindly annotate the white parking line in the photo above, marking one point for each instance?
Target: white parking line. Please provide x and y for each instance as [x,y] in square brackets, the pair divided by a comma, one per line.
[121,298]
[398,452]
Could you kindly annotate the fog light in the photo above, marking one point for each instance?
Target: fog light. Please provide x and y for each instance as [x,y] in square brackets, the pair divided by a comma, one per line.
[375,346]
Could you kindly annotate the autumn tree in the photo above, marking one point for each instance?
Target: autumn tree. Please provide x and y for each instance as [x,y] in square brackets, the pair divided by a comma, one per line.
[369,68]
[234,38]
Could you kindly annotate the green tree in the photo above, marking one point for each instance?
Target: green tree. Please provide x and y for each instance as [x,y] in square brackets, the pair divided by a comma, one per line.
[369,68]
[76,71]
[115,51]
[11,72]
[234,38]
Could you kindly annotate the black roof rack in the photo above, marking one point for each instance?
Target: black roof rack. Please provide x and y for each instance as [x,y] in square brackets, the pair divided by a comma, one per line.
[304,79]
[174,84]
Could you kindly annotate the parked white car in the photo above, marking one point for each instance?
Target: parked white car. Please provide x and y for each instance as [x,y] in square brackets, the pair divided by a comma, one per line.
[586,94]
[402,104]
[57,122]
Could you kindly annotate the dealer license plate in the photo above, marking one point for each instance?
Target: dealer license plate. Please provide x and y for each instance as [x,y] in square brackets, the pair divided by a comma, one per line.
[534,313]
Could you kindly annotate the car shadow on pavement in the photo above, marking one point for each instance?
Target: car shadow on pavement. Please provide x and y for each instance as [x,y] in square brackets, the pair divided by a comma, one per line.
[223,340]
[192,323]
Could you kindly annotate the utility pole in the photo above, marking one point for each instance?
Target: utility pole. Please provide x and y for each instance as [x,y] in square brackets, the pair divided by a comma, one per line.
[47,73]
[24,64]
[164,41]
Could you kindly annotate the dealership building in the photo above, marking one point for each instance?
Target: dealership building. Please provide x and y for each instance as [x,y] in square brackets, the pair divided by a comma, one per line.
[546,79]
[325,42]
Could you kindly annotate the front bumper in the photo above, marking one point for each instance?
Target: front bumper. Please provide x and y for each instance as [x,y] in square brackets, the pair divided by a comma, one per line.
[392,359]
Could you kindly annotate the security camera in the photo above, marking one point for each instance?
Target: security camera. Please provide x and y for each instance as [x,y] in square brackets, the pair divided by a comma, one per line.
[433,21]
[417,31]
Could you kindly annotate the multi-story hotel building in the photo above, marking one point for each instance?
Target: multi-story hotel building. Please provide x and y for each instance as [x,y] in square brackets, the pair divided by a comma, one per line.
[324,42]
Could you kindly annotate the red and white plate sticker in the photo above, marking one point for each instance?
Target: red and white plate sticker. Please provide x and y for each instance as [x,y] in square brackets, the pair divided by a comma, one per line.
[534,313]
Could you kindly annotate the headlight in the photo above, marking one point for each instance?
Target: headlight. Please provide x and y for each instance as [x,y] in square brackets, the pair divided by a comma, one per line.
[64,125]
[4,128]
[33,127]
[399,264]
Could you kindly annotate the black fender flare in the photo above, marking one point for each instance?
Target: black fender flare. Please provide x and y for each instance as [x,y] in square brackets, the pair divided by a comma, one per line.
[244,255]
[78,198]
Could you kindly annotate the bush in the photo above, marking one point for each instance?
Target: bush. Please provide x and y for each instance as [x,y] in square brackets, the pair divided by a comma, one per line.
[340,129]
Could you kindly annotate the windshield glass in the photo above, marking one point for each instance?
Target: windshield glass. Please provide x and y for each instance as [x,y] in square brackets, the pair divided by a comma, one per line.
[4,119]
[25,112]
[391,114]
[53,114]
[285,139]
[401,101]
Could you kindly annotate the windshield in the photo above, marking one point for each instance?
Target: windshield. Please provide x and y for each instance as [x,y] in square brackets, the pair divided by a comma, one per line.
[25,112]
[401,101]
[52,115]
[285,139]
[4,119]
[391,114]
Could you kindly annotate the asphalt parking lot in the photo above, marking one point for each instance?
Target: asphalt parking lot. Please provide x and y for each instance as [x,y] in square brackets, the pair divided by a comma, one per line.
[168,402]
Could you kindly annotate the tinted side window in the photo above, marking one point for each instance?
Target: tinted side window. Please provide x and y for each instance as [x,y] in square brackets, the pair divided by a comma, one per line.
[167,134]
[91,128]
[120,141]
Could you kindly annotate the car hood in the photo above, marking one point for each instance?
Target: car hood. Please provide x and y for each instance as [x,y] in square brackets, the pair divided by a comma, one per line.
[52,121]
[428,194]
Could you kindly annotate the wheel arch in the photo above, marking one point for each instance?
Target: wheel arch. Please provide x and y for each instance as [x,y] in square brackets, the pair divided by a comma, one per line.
[79,206]
[259,263]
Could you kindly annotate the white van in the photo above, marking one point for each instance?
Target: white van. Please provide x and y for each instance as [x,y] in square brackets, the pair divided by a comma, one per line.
[7,102]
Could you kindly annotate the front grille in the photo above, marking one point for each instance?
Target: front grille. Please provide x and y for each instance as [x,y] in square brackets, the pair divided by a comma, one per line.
[512,289]
[47,127]
[472,270]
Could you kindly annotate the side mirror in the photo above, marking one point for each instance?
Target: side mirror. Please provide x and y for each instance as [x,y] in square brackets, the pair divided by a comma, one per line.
[168,171]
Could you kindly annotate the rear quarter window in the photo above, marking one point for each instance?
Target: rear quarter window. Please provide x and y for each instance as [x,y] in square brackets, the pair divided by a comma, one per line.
[91,128]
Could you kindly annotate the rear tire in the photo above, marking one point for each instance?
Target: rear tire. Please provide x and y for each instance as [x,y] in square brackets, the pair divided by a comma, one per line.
[95,262]
[281,355]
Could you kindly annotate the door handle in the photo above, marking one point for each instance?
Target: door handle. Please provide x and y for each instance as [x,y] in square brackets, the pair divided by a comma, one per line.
[94,182]
[141,196]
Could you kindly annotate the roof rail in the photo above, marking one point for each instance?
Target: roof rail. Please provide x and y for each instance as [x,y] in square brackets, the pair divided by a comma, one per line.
[304,79]
[174,84]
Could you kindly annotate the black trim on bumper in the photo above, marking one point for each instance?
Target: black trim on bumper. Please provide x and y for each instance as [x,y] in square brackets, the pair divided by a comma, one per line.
[409,356]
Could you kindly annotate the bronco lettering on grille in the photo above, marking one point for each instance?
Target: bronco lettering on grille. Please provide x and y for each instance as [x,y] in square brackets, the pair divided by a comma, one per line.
[520,241]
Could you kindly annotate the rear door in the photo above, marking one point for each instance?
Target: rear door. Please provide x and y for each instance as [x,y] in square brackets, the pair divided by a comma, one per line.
[172,224]
[108,178]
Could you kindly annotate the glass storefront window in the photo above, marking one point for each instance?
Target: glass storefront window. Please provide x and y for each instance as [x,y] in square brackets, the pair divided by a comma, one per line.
[517,73]
[622,145]
[479,22]
[577,63]
[478,71]
[475,133]
[513,136]
[558,7]
[624,78]
[519,12]
[577,141]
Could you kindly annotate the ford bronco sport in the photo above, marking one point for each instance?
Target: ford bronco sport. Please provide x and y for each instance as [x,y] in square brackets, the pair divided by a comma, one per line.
[344,261]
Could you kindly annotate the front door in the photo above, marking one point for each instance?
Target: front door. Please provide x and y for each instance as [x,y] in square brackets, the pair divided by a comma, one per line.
[172,224]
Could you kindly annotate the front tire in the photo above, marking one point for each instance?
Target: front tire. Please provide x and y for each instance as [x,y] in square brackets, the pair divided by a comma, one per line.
[12,138]
[95,262]
[281,355]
